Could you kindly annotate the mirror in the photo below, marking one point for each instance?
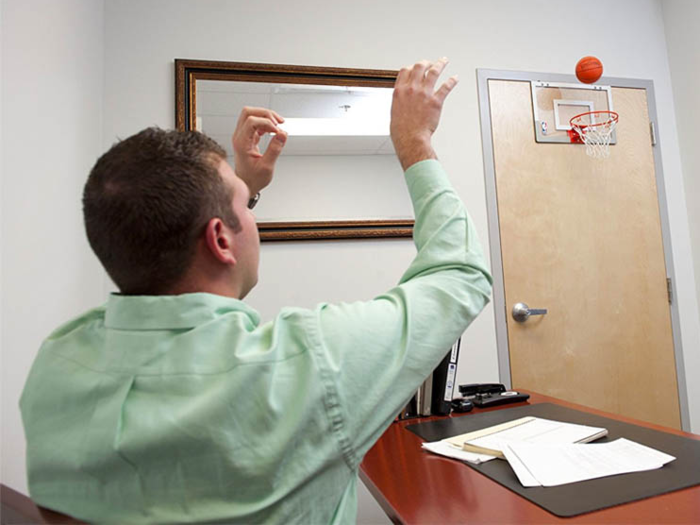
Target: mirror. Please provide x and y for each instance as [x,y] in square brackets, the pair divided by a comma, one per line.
[338,176]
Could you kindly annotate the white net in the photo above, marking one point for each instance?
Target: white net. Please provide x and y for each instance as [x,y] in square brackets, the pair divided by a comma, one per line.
[595,130]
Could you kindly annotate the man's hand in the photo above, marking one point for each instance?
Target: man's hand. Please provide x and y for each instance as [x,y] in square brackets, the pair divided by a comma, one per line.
[415,110]
[252,166]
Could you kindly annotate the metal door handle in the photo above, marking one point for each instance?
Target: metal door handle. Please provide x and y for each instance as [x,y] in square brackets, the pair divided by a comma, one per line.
[521,312]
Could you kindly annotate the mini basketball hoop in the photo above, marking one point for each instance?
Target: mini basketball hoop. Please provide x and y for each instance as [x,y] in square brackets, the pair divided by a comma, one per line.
[594,129]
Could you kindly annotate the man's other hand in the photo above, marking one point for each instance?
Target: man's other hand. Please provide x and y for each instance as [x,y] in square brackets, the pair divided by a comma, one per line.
[416,109]
[253,167]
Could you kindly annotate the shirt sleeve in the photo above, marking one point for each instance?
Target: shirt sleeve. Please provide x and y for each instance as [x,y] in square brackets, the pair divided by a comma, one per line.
[378,352]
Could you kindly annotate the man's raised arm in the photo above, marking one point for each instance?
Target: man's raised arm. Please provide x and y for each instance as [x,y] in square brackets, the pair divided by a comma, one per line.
[378,352]
[416,109]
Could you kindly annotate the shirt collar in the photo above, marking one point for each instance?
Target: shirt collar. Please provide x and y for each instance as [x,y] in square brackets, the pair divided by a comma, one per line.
[172,312]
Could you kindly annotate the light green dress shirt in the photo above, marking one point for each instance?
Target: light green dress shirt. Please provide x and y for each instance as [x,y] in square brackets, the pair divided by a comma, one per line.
[164,409]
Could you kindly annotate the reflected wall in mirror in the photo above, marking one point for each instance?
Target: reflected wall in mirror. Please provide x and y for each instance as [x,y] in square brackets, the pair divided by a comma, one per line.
[338,176]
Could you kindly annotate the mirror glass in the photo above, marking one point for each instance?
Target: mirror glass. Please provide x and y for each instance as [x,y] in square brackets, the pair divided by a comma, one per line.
[338,175]
[338,163]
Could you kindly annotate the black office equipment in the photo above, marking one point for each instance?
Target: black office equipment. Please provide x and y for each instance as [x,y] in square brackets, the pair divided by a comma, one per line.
[486,395]
[502,398]
[475,389]
[586,496]
[462,405]
[444,377]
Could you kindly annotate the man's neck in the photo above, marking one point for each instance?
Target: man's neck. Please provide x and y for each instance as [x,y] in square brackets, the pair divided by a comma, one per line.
[196,284]
[206,275]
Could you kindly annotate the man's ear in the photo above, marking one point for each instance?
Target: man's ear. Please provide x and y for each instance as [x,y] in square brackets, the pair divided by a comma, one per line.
[220,241]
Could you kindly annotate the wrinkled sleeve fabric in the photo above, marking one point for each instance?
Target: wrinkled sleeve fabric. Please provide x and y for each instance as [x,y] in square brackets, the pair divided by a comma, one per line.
[375,354]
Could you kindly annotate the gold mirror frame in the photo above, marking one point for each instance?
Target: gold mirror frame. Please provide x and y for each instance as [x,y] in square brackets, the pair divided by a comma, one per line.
[187,72]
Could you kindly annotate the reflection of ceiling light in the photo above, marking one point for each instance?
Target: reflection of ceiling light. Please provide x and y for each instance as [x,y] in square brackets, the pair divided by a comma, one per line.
[337,127]
[297,88]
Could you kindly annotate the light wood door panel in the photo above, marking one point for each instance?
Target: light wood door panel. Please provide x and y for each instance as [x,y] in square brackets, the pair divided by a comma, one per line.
[582,238]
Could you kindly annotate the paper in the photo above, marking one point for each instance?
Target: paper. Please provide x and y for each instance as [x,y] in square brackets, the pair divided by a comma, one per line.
[550,465]
[524,475]
[542,431]
[445,449]
[530,429]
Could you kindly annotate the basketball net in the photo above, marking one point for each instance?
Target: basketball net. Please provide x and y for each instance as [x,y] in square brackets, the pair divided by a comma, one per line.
[594,129]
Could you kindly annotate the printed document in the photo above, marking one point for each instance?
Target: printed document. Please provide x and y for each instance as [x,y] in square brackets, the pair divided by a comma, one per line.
[549,465]
[529,429]
[451,451]
[486,444]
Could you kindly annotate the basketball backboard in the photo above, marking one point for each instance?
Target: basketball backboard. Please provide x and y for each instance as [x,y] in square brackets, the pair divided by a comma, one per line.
[554,104]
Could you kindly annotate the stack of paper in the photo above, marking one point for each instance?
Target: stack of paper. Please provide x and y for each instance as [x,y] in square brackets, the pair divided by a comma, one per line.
[551,465]
[546,453]
[451,451]
[487,444]
[529,429]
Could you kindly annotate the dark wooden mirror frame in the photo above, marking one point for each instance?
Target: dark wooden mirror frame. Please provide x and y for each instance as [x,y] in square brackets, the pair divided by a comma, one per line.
[187,72]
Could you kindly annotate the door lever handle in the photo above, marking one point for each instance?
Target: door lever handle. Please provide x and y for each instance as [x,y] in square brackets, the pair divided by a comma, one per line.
[521,312]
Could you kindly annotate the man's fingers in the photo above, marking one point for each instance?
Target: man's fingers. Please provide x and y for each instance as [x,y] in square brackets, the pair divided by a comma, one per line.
[402,77]
[274,148]
[450,83]
[259,125]
[434,71]
[251,116]
[418,71]
[280,118]
[251,111]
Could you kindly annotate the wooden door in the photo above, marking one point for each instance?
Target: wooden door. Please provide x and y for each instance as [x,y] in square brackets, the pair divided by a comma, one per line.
[582,238]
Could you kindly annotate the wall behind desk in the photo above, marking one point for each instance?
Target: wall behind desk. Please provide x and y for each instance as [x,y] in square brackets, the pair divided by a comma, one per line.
[681,27]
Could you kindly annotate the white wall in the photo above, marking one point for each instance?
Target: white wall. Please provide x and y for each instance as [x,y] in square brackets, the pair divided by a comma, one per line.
[141,39]
[681,18]
[52,68]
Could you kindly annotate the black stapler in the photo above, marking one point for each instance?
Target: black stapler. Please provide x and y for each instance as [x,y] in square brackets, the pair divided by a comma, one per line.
[462,405]
[486,395]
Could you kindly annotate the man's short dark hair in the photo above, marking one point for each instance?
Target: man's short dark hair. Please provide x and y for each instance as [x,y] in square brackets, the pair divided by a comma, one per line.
[146,202]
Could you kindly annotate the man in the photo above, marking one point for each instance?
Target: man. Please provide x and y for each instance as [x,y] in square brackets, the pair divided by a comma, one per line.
[172,403]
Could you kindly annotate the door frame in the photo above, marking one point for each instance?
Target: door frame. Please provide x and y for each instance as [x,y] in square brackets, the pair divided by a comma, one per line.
[499,306]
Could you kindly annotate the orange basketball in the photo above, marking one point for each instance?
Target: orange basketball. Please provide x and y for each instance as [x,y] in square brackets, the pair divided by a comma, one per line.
[589,69]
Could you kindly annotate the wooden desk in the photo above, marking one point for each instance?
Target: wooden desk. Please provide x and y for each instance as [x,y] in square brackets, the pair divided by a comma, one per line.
[413,486]
[16,508]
